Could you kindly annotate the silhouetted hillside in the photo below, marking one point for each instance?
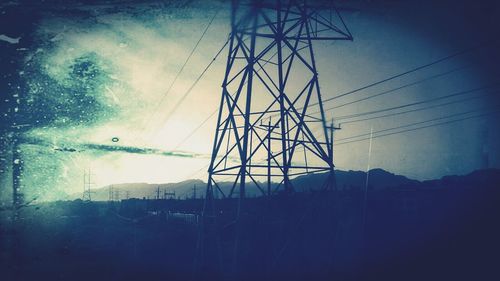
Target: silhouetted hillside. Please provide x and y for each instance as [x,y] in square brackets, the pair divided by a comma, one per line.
[378,179]
[345,179]
[483,178]
[147,190]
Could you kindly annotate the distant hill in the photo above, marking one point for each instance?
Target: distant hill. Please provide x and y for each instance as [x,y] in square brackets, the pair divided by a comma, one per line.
[483,178]
[378,179]
[345,179]
[147,190]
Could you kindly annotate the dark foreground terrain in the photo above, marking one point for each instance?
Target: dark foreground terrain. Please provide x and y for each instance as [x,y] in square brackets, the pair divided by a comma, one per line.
[438,230]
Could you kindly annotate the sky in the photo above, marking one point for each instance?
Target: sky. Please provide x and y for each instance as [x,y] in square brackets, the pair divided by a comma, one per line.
[97,87]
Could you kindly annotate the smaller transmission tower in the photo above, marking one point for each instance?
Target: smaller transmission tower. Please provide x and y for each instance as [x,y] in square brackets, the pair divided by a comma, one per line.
[110,193]
[168,195]
[157,193]
[87,183]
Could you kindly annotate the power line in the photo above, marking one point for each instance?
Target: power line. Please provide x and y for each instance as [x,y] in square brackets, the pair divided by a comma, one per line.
[411,104]
[407,111]
[419,128]
[400,87]
[413,124]
[470,49]
[408,105]
[186,94]
[411,110]
[371,85]
[204,167]
[158,105]
[366,113]
[217,109]
[195,130]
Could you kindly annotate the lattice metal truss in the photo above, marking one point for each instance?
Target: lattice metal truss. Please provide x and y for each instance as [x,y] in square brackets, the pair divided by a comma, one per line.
[270,88]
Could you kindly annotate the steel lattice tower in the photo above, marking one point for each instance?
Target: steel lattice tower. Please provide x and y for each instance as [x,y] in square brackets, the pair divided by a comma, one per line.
[271,98]
[87,193]
[270,113]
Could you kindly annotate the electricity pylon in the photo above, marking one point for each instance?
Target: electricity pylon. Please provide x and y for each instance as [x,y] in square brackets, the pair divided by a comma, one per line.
[270,101]
[87,183]
[271,72]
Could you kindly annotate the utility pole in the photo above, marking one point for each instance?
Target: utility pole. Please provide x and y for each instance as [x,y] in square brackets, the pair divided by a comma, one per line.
[194,191]
[110,193]
[269,129]
[158,193]
[332,128]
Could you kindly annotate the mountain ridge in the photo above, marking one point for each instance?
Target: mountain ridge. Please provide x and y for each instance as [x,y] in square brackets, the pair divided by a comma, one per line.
[350,179]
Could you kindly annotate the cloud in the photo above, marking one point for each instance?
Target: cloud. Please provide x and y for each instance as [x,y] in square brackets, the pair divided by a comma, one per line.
[62,146]
[9,40]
